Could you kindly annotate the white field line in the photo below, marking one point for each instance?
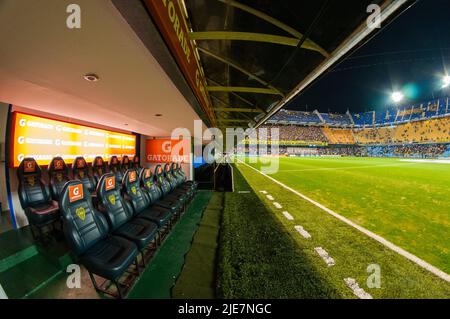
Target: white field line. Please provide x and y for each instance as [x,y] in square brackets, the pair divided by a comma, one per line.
[2,293]
[288,216]
[436,161]
[422,263]
[341,168]
[302,232]
[326,258]
[243,192]
[277,205]
[357,291]
[263,192]
[269,197]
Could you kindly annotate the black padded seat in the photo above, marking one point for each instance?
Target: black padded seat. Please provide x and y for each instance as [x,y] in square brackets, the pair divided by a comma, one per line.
[120,214]
[170,181]
[155,193]
[125,164]
[34,195]
[87,234]
[59,176]
[179,182]
[182,178]
[141,202]
[98,168]
[115,168]
[80,171]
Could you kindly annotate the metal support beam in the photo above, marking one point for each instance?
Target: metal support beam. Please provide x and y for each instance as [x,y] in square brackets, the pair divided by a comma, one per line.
[233,121]
[237,96]
[241,89]
[275,22]
[250,36]
[237,67]
[236,109]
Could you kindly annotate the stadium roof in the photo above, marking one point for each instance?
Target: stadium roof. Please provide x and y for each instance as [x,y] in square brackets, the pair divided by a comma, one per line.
[253,56]
[256,55]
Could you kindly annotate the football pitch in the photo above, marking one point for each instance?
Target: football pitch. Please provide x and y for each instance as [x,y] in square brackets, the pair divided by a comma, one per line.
[407,203]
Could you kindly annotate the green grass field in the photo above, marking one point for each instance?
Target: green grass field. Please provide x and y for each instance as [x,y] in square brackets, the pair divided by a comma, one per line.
[406,203]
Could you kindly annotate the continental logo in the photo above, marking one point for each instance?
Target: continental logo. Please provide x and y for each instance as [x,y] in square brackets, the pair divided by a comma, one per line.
[134,190]
[112,199]
[81,213]
[76,192]
[110,183]
[132,177]
[148,184]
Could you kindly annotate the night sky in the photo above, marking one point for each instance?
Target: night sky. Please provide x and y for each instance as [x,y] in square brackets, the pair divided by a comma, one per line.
[410,54]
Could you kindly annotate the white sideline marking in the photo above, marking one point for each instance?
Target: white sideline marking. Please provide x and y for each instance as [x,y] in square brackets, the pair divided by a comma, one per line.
[357,291]
[436,161]
[269,197]
[288,216]
[2,293]
[422,263]
[341,168]
[326,258]
[277,205]
[244,192]
[302,232]
[264,192]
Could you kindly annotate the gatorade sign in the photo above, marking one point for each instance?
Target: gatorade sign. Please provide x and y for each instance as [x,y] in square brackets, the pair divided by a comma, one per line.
[110,183]
[75,192]
[167,151]
[29,166]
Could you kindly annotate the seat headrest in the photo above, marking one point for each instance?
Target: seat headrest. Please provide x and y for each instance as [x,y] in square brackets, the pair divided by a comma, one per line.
[80,163]
[131,181]
[125,161]
[147,177]
[57,165]
[28,167]
[114,161]
[98,162]
[136,160]
[107,183]
[173,167]
[158,170]
[167,168]
[72,194]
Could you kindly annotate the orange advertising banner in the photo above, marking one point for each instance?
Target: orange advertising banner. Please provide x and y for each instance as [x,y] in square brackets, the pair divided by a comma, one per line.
[167,151]
[171,20]
[44,139]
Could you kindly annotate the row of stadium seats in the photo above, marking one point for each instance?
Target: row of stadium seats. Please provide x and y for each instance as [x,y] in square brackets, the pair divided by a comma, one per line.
[388,116]
[127,218]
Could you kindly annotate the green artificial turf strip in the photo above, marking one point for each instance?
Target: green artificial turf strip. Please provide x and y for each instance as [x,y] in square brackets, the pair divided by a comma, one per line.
[352,250]
[198,277]
[160,275]
[259,258]
[406,203]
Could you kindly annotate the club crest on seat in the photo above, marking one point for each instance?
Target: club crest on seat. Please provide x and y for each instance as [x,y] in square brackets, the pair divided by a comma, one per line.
[112,199]
[81,213]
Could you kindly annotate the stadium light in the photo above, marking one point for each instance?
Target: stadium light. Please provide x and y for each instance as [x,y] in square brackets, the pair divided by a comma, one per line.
[397,96]
[446,81]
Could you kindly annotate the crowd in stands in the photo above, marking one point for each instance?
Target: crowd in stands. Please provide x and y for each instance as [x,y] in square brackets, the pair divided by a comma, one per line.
[409,150]
[339,136]
[385,117]
[308,134]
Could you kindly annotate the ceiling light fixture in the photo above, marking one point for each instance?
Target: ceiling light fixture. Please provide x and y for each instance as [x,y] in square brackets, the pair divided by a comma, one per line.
[91,77]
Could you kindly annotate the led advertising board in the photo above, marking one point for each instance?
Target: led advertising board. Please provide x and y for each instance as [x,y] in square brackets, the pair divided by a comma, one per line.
[44,139]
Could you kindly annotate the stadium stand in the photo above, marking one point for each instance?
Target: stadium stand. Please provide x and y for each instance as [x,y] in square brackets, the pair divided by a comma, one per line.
[407,131]
[339,136]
